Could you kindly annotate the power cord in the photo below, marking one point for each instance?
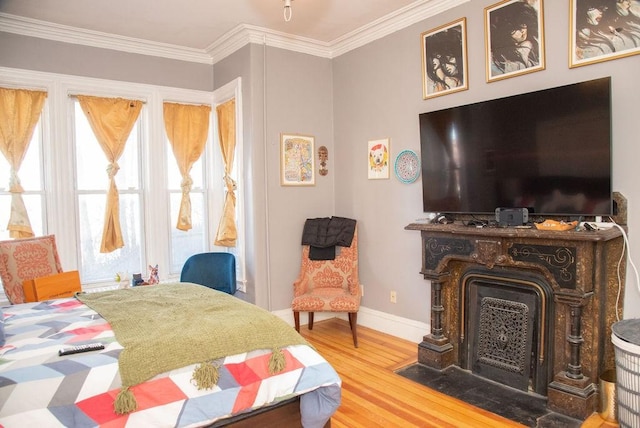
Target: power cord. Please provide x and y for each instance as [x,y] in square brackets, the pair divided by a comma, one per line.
[626,248]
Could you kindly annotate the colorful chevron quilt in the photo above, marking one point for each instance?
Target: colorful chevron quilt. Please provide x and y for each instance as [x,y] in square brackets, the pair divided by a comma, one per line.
[40,388]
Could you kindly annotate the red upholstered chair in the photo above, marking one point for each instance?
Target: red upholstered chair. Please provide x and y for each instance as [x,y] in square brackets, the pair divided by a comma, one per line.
[24,259]
[329,286]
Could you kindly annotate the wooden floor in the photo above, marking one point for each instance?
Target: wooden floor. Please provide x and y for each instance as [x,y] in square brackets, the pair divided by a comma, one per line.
[374,396]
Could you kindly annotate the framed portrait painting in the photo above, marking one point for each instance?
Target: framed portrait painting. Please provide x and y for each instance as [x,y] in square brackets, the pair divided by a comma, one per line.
[444,59]
[297,166]
[603,30]
[378,159]
[514,38]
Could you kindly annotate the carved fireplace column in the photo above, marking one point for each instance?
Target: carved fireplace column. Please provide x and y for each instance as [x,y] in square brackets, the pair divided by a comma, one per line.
[571,388]
[436,350]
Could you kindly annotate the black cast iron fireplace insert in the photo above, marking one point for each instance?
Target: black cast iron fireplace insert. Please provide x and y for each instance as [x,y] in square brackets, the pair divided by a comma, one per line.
[506,327]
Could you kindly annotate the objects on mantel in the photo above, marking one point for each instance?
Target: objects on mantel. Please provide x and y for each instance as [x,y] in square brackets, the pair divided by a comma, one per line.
[556,225]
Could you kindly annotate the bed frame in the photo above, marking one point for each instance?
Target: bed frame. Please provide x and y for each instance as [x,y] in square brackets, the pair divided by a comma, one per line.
[285,413]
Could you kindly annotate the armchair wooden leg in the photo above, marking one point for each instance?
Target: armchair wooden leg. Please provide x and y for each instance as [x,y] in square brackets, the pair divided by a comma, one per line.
[310,320]
[353,323]
[296,320]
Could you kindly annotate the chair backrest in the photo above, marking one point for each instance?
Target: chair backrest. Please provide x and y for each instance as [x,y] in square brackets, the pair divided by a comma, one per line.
[337,273]
[25,259]
[214,270]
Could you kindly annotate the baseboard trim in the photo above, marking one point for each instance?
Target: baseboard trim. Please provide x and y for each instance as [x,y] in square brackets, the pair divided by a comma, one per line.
[403,328]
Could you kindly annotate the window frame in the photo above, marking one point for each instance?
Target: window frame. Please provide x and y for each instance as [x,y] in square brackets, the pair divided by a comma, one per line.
[58,160]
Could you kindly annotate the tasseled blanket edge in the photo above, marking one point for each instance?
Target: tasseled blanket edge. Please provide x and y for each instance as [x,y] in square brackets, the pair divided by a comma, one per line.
[205,376]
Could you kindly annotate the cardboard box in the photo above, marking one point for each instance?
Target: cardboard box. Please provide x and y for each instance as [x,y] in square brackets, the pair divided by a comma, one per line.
[64,284]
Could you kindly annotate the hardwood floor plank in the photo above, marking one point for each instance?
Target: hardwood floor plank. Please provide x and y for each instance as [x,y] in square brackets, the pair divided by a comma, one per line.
[374,395]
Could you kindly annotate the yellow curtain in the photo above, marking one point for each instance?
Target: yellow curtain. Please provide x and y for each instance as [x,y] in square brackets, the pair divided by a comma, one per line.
[19,113]
[227,231]
[187,128]
[111,120]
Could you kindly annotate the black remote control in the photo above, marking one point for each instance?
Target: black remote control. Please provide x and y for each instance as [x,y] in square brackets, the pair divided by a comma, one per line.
[81,348]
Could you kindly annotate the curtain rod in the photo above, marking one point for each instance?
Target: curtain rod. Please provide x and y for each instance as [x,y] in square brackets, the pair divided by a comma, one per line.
[76,96]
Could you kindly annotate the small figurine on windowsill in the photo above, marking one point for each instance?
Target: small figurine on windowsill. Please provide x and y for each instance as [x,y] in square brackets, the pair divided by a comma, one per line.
[137,280]
[153,275]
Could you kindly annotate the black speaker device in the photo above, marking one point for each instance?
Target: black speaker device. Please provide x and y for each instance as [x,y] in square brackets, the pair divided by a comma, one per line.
[512,216]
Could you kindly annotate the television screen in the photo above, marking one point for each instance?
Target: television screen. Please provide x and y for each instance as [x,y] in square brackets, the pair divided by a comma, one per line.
[548,151]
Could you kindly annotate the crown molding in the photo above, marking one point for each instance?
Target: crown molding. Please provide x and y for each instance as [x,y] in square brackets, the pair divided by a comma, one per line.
[233,40]
[388,24]
[244,34]
[79,36]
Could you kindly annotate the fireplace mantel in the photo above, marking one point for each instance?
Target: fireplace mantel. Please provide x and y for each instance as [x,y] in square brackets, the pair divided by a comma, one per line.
[579,266]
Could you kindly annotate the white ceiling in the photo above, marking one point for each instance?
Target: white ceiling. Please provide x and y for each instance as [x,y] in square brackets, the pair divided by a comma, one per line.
[203,26]
[199,23]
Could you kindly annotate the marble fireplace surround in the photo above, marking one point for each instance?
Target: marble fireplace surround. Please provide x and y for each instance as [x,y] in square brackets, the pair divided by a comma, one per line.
[578,274]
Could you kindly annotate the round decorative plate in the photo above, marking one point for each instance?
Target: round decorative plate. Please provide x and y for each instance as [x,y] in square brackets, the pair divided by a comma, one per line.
[407,166]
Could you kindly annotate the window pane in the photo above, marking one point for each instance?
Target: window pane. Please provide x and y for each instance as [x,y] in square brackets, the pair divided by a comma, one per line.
[5,203]
[30,175]
[97,266]
[174,176]
[33,203]
[91,162]
[92,182]
[31,168]
[187,243]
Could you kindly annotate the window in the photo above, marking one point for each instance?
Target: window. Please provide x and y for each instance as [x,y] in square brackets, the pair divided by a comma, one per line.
[185,243]
[31,179]
[65,180]
[92,183]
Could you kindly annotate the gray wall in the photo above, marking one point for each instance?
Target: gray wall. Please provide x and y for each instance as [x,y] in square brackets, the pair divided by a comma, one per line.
[297,100]
[378,93]
[36,54]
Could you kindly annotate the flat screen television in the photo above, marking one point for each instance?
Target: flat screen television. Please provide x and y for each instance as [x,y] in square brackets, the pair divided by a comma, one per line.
[548,151]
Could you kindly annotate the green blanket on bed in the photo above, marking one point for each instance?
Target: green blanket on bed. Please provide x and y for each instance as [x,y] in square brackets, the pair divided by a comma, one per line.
[168,326]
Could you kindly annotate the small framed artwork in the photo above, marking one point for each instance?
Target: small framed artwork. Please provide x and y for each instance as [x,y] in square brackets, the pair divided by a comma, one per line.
[378,159]
[514,38]
[297,166]
[444,59]
[601,31]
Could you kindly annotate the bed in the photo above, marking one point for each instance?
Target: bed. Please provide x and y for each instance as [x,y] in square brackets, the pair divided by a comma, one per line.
[278,379]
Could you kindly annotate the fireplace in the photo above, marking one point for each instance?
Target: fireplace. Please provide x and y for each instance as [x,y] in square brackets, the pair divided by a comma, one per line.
[506,325]
[526,308]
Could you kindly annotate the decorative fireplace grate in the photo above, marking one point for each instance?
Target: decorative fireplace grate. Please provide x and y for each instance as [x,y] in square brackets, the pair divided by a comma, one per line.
[502,333]
[505,328]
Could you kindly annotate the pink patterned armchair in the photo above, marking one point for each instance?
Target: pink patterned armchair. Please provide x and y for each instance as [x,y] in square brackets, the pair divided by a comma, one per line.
[329,286]
[24,259]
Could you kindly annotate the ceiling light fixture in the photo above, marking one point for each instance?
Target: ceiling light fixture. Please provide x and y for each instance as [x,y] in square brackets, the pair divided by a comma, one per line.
[287,10]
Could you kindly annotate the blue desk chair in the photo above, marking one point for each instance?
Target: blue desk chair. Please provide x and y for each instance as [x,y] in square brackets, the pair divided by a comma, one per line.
[214,270]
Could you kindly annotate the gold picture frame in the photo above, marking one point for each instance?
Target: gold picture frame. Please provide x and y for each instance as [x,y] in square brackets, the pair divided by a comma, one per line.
[598,33]
[514,38]
[379,153]
[297,160]
[444,59]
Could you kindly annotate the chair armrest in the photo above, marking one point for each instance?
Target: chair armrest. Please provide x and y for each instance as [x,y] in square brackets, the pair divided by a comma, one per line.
[353,287]
[300,286]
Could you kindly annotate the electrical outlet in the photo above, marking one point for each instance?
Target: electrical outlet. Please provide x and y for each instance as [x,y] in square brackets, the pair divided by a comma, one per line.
[392,297]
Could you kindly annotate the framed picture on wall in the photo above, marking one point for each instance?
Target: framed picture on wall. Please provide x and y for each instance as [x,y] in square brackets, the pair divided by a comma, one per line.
[514,38]
[297,165]
[601,31]
[444,59]
[378,159]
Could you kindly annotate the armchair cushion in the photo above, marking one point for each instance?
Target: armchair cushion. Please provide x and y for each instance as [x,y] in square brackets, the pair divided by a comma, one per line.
[25,259]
